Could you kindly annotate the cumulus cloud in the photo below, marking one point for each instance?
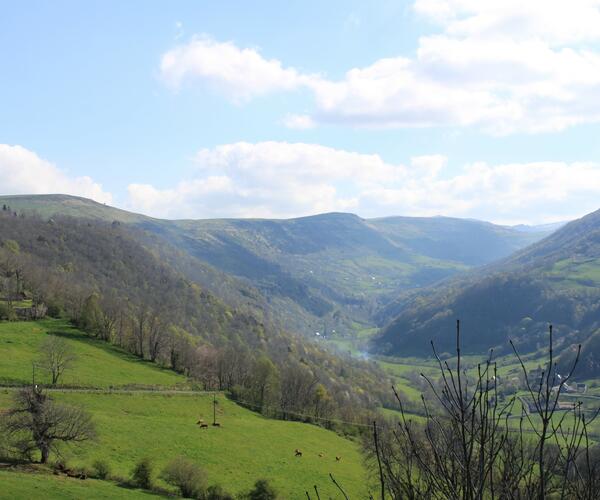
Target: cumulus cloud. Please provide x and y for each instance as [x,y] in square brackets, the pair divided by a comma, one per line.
[24,172]
[503,66]
[554,21]
[186,200]
[280,179]
[240,73]
[506,193]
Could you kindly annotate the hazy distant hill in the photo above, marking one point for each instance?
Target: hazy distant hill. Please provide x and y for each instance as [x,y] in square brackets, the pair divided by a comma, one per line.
[323,271]
[556,280]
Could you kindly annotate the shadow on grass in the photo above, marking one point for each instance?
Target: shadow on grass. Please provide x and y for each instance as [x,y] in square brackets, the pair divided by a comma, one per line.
[73,333]
[130,485]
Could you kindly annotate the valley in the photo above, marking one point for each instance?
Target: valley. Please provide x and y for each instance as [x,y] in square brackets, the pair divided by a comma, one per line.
[327,272]
[291,331]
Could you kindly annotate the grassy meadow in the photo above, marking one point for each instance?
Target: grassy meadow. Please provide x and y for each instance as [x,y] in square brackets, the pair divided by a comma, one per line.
[40,484]
[162,425]
[97,363]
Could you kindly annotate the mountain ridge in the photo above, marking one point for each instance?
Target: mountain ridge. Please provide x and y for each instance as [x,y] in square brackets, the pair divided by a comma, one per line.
[335,268]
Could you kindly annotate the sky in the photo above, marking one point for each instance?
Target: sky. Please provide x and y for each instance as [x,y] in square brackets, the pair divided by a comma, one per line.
[486,109]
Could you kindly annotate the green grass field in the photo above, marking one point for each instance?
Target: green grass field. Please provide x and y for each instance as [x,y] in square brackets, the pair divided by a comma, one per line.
[27,485]
[97,363]
[163,425]
[576,273]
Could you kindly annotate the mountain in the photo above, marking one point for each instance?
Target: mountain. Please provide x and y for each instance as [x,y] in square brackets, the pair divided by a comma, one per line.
[331,271]
[543,228]
[105,279]
[556,280]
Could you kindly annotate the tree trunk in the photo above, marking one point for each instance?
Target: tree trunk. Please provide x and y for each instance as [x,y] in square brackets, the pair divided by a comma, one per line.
[45,453]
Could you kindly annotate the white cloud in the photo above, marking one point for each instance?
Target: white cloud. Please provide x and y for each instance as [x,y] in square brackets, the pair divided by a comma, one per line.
[506,193]
[513,77]
[299,122]
[279,179]
[503,66]
[24,172]
[186,200]
[240,73]
[554,21]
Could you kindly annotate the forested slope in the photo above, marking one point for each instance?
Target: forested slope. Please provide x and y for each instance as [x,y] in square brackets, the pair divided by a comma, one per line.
[100,276]
[327,272]
[554,281]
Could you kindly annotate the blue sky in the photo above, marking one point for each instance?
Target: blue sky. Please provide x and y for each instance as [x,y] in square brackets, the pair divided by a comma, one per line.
[200,109]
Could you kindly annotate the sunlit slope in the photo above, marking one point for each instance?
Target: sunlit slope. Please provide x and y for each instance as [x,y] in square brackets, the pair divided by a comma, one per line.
[162,424]
[27,485]
[96,364]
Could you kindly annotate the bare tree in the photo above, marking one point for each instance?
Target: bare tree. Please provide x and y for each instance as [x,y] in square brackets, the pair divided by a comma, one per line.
[36,422]
[473,445]
[56,357]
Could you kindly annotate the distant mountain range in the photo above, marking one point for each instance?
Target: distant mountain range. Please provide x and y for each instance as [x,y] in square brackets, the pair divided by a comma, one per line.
[329,271]
[556,280]
[543,228]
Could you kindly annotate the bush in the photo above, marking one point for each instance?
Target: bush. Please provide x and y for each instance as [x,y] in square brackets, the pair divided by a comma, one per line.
[7,312]
[216,492]
[55,311]
[187,476]
[262,491]
[101,469]
[142,474]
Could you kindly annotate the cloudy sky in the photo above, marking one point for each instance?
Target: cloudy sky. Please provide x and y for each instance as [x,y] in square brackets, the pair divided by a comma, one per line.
[486,109]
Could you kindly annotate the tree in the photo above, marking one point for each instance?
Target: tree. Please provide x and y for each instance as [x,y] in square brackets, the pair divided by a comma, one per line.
[262,491]
[90,315]
[264,382]
[110,309]
[322,401]
[474,446]
[11,270]
[36,422]
[142,473]
[298,383]
[56,357]
[187,476]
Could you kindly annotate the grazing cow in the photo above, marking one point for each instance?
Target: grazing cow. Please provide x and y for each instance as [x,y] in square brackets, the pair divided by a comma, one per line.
[200,422]
[337,459]
[297,452]
[321,455]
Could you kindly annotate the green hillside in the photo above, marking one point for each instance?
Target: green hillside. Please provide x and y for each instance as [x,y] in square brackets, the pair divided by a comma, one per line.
[556,280]
[49,205]
[110,284]
[162,424]
[41,484]
[325,272]
[97,363]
